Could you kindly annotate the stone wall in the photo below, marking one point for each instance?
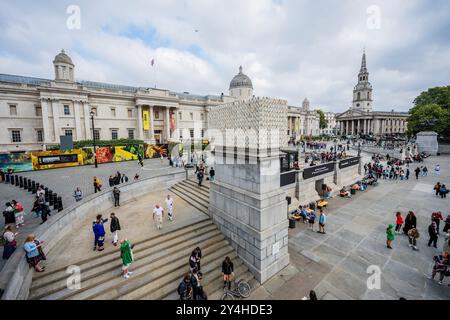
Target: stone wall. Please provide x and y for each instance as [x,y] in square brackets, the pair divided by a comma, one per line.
[16,275]
[426,141]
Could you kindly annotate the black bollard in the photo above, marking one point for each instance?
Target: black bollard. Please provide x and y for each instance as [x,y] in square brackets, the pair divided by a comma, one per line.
[50,197]
[33,187]
[7,178]
[11,179]
[30,187]
[21,182]
[46,194]
[25,183]
[60,206]
[16,178]
[37,185]
[55,201]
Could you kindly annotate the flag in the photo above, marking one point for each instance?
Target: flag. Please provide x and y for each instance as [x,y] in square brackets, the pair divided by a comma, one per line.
[152,62]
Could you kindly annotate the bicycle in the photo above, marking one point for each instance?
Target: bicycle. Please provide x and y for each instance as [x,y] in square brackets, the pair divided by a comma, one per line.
[241,290]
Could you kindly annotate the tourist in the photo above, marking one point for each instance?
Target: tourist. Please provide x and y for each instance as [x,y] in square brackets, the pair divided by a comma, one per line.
[116,195]
[18,213]
[440,265]
[425,171]
[111,181]
[447,224]
[140,161]
[437,170]
[200,177]
[433,233]
[322,222]
[443,191]
[311,220]
[40,192]
[437,188]
[185,288]
[193,262]
[407,174]
[77,194]
[136,177]
[198,255]
[413,235]
[44,210]
[197,288]
[417,171]
[390,236]
[34,253]
[410,222]
[446,244]
[158,212]
[399,222]
[117,178]
[227,272]
[9,215]
[126,253]
[437,217]
[10,243]
[99,232]
[97,185]
[114,227]
[169,207]
[212,174]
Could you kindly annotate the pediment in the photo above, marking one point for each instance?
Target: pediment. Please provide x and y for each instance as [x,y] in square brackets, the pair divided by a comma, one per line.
[350,114]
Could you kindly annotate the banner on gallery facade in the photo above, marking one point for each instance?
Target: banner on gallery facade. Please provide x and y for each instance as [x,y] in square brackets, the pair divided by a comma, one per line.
[145,120]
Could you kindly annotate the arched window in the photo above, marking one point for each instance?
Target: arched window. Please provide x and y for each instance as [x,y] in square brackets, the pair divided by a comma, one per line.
[368,95]
[359,96]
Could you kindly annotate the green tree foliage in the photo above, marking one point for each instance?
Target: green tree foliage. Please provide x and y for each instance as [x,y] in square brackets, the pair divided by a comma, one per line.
[431,112]
[323,122]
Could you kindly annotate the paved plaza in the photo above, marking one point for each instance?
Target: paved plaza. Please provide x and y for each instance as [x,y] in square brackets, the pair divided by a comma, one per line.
[335,264]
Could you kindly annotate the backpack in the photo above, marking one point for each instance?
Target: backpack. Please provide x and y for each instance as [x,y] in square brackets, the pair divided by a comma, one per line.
[180,289]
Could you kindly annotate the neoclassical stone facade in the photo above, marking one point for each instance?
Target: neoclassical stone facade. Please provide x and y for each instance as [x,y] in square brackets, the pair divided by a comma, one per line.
[361,119]
[302,121]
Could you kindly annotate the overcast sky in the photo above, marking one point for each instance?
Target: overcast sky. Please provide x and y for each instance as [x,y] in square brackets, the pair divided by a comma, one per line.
[290,49]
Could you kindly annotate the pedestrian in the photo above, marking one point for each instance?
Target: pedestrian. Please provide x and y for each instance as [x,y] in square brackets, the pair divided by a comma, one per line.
[407,174]
[158,212]
[10,243]
[34,253]
[410,222]
[44,210]
[125,178]
[437,217]
[116,195]
[437,169]
[126,253]
[198,255]
[437,188]
[169,207]
[193,262]
[440,265]
[114,227]
[447,224]
[140,161]
[413,235]
[390,236]
[18,213]
[97,185]
[417,171]
[40,192]
[117,178]
[9,215]
[443,191]
[227,272]
[197,288]
[398,223]
[212,174]
[99,232]
[311,220]
[136,177]
[322,222]
[111,181]
[185,288]
[433,233]
[77,194]
[200,177]
[425,171]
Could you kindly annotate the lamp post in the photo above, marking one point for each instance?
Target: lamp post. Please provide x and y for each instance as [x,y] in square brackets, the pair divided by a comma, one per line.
[93,138]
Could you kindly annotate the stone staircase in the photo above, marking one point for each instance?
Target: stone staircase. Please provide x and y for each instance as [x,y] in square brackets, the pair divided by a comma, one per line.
[196,196]
[160,263]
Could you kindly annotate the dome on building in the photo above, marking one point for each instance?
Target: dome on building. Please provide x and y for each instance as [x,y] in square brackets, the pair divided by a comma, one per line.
[241,81]
[62,57]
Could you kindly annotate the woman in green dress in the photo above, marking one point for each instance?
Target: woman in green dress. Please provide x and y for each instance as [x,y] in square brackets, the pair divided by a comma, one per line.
[126,253]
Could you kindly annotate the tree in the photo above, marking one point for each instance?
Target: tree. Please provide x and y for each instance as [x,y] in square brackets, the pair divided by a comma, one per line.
[323,122]
[431,112]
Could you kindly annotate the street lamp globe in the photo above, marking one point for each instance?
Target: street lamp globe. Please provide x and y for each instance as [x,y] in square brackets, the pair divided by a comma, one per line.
[92,114]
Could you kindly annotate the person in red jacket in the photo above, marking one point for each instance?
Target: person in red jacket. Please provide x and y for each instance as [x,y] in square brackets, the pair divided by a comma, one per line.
[399,222]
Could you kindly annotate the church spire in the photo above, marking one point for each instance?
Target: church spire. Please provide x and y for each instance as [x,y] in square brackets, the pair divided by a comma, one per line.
[363,62]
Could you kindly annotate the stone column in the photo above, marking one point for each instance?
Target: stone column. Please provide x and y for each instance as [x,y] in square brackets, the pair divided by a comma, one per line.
[347,127]
[87,124]
[76,112]
[45,123]
[152,125]
[177,127]
[353,127]
[167,118]
[56,127]
[140,125]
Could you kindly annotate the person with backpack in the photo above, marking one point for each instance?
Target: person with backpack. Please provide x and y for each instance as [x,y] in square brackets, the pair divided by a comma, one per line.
[126,253]
[227,272]
[114,228]
[390,236]
[443,191]
[97,185]
[437,188]
[185,288]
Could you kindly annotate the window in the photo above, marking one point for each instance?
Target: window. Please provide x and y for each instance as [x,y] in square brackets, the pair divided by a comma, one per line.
[38,110]
[68,132]
[192,115]
[97,134]
[130,113]
[191,133]
[13,110]
[180,115]
[359,95]
[113,112]
[40,135]
[130,134]
[15,136]
[114,134]
[94,110]
[156,114]
[66,110]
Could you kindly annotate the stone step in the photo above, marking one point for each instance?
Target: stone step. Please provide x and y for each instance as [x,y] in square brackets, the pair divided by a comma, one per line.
[159,287]
[159,253]
[202,191]
[198,206]
[194,183]
[193,194]
[177,232]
